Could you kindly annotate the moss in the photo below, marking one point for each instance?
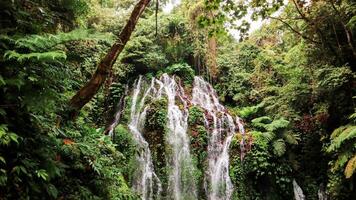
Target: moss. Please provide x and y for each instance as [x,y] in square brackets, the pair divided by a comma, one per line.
[157,115]
[196,116]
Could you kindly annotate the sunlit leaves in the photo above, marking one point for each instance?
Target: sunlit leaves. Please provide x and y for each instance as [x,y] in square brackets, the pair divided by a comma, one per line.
[341,135]
[6,137]
[42,174]
[276,133]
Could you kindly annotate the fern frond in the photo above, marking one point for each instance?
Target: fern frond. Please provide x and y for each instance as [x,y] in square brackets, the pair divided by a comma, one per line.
[337,132]
[347,133]
[290,138]
[350,167]
[43,57]
[279,147]
[48,41]
[246,112]
[341,160]
[353,117]
[277,124]
[261,122]
[268,136]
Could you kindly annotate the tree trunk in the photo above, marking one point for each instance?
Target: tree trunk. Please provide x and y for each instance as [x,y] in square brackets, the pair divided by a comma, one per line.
[212,54]
[87,92]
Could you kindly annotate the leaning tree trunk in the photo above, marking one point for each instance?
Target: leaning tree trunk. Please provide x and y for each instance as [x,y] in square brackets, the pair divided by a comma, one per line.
[86,93]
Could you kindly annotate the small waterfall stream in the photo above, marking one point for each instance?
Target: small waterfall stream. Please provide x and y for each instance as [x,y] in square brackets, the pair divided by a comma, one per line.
[220,125]
[145,177]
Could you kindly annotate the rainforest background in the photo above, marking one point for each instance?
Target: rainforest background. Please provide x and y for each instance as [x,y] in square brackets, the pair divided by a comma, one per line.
[292,82]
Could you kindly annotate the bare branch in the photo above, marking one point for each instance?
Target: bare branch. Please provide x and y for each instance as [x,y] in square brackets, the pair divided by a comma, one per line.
[294,30]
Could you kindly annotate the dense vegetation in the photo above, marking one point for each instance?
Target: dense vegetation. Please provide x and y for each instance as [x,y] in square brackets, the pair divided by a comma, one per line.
[292,82]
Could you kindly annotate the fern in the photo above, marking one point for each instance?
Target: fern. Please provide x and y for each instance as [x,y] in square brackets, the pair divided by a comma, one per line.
[350,167]
[44,56]
[48,41]
[353,117]
[275,133]
[277,125]
[343,143]
[261,122]
[290,138]
[340,136]
[279,147]
[246,112]
[268,136]
[341,160]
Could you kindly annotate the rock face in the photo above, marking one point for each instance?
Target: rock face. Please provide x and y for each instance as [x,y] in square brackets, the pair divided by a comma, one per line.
[183,140]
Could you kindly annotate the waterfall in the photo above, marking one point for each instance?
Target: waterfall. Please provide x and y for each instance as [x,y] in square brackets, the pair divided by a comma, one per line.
[120,108]
[145,175]
[181,185]
[298,192]
[181,181]
[322,195]
[220,125]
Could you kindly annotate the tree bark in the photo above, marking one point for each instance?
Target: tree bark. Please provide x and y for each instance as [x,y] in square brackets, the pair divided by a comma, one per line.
[87,92]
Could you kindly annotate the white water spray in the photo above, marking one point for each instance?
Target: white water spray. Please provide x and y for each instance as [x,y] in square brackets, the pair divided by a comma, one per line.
[221,127]
[146,178]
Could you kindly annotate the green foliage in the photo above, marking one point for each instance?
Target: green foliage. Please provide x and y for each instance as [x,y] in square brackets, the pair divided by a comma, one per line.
[342,148]
[276,133]
[43,57]
[7,137]
[291,87]
[182,70]
[249,111]
[157,115]
[260,175]
[40,157]
[196,116]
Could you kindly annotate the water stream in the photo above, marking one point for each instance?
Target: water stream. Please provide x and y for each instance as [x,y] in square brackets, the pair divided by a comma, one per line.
[221,127]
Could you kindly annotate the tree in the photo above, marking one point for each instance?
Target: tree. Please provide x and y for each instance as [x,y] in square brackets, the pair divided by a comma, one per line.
[87,92]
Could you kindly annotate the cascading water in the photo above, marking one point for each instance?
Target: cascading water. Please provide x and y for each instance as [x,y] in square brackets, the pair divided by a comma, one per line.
[298,192]
[145,175]
[181,185]
[220,125]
